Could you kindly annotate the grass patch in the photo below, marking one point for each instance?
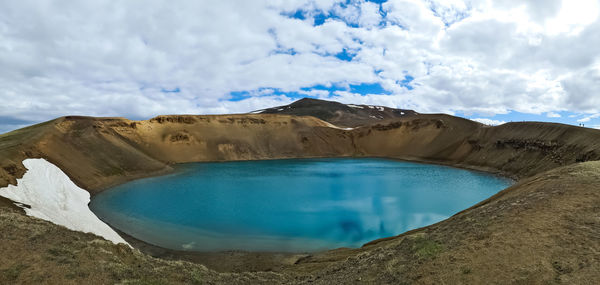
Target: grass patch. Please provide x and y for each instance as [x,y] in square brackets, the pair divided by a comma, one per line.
[121,271]
[12,273]
[113,171]
[61,255]
[426,248]
[196,277]
[77,273]
[145,281]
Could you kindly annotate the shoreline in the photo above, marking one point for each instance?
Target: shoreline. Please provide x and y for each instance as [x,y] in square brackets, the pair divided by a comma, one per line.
[514,177]
[234,261]
[244,261]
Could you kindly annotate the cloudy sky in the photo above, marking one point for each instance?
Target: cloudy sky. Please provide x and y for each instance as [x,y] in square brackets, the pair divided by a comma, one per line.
[495,61]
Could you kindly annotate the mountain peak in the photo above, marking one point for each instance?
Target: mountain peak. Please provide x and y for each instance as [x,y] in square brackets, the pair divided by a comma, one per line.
[343,115]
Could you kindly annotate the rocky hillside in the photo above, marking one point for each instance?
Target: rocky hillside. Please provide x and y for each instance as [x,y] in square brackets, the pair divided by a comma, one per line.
[542,230]
[514,149]
[99,152]
[343,115]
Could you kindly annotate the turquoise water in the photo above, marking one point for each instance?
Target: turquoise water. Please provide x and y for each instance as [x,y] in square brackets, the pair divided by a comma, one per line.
[290,205]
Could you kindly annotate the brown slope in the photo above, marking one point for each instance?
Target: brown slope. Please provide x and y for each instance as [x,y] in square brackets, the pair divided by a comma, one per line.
[343,115]
[513,149]
[92,156]
[542,229]
[100,152]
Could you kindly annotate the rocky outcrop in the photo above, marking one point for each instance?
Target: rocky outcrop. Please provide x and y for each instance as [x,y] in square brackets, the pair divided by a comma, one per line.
[343,115]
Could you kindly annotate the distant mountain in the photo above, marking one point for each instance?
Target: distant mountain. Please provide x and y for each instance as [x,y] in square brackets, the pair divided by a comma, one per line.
[343,115]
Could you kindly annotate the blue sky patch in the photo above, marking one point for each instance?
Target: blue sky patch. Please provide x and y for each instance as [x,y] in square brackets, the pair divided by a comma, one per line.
[406,82]
[298,14]
[368,88]
[290,51]
[345,55]
[362,88]
[320,19]
[175,90]
[320,16]
[239,95]
[322,87]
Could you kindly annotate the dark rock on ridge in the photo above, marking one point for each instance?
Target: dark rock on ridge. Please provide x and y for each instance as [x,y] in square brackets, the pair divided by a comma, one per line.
[343,115]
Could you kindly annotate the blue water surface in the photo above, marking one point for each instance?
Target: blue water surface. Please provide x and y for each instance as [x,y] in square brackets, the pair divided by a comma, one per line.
[295,205]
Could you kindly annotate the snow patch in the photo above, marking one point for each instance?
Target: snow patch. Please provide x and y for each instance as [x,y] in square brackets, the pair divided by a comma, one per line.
[379,108]
[189,246]
[336,127]
[355,106]
[489,122]
[280,109]
[53,197]
[257,112]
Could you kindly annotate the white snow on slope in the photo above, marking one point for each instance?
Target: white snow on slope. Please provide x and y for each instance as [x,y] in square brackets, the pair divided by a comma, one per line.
[54,197]
[336,127]
[355,106]
[489,122]
[379,108]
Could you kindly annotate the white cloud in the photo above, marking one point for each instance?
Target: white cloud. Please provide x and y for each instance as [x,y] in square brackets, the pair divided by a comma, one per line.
[489,122]
[451,11]
[553,115]
[414,16]
[588,118]
[113,59]
[369,14]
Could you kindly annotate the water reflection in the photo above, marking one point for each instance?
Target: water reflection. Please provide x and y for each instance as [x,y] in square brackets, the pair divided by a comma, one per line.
[290,205]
